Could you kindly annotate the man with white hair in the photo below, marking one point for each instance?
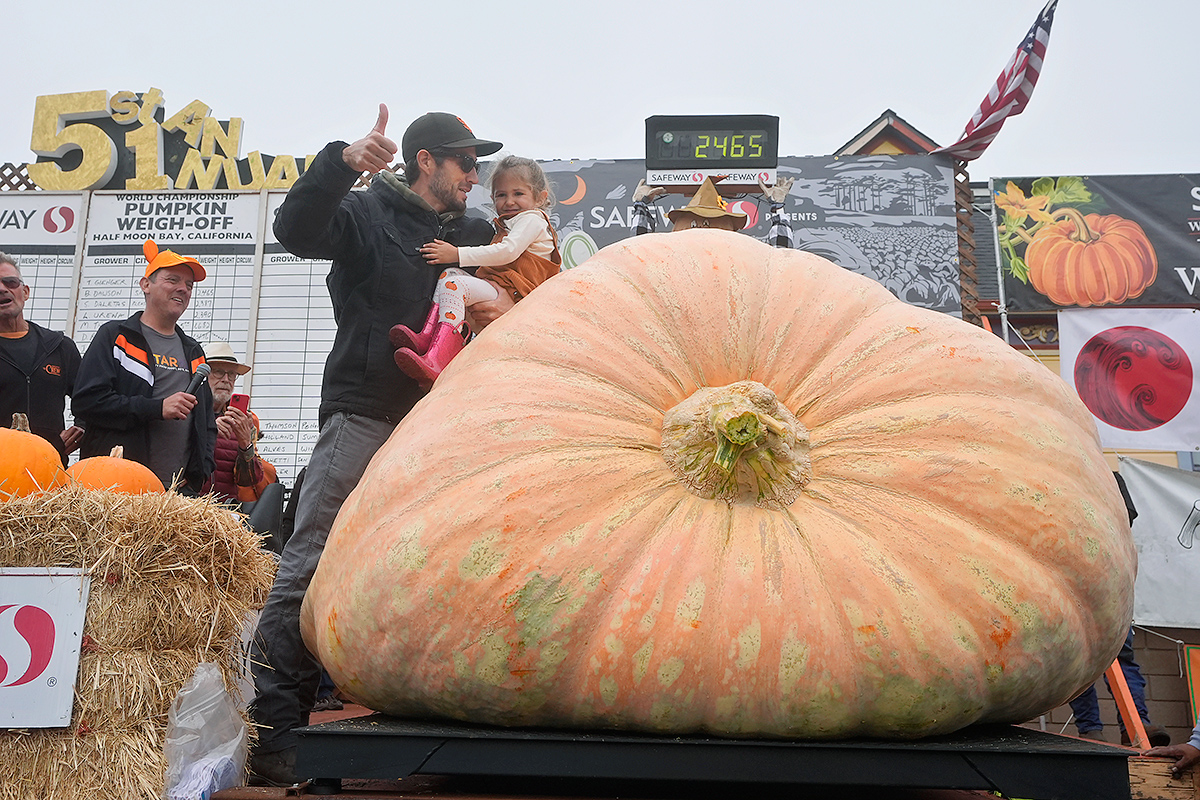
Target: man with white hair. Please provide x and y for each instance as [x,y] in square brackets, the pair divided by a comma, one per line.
[241,474]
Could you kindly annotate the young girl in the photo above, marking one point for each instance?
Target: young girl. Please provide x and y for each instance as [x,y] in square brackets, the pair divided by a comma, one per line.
[523,254]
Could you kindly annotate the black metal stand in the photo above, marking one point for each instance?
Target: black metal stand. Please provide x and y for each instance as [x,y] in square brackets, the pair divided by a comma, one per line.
[1014,761]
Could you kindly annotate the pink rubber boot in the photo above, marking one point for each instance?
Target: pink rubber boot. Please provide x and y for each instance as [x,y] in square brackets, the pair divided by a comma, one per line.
[417,341]
[445,344]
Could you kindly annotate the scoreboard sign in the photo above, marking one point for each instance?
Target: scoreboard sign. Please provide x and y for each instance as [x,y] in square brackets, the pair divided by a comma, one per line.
[681,151]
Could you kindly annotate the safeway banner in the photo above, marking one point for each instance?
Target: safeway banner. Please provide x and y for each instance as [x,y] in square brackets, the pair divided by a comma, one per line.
[1168,543]
[1120,240]
[41,633]
[890,218]
[1138,372]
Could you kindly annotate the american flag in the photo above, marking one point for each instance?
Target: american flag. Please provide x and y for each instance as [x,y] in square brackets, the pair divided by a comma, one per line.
[1011,92]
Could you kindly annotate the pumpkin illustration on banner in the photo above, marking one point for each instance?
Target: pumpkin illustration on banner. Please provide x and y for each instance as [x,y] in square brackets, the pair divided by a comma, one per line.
[699,484]
[1091,260]
[1074,259]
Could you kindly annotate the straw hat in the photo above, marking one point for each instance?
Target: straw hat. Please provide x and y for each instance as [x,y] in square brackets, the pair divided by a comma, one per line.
[222,353]
[706,203]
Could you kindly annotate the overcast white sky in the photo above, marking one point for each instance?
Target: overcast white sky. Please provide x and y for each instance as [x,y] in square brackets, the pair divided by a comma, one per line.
[577,80]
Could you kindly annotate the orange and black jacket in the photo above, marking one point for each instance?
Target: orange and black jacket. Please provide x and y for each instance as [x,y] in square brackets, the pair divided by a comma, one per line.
[41,394]
[114,401]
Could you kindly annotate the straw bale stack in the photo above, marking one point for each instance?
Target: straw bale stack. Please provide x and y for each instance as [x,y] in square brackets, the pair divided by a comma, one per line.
[173,580]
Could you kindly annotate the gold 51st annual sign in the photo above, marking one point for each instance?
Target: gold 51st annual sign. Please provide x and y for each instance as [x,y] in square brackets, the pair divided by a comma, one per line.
[94,140]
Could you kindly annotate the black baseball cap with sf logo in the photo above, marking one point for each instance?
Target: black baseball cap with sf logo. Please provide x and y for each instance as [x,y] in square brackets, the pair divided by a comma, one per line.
[438,130]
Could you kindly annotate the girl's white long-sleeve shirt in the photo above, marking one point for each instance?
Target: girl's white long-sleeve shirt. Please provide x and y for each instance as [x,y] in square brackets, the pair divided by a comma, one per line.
[528,230]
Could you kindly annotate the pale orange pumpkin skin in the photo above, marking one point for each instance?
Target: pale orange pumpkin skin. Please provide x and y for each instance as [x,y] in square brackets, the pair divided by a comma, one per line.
[519,552]
[28,463]
[115,473]
[1114,267]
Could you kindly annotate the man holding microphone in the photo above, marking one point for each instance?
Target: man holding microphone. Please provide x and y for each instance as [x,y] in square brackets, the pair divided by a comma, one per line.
[140,384]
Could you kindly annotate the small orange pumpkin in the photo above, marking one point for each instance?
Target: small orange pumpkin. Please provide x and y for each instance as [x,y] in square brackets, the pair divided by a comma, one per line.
[115,473]
[1091,261]
[30,463]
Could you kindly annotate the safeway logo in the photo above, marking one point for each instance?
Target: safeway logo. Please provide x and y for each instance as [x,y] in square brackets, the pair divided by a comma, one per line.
[58,219]
[747,208]
[26,643]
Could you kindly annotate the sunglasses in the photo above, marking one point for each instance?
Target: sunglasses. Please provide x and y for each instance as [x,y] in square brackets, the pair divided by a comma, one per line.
[11,282]
[465,163]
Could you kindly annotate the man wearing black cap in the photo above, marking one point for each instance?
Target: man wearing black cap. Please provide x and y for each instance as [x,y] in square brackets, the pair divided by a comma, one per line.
[378,279]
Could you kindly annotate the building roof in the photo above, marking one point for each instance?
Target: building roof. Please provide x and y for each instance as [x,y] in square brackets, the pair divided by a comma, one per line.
[889,134]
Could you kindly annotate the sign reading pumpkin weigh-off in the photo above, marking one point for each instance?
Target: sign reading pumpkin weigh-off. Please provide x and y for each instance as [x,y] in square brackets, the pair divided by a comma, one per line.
[1127,240]
[91,140]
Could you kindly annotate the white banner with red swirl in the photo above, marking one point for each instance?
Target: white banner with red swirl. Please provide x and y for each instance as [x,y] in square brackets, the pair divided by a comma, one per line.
[1138,372]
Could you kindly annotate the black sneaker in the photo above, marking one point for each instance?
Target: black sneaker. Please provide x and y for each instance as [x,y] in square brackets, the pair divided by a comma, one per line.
[273,769]
[328,703]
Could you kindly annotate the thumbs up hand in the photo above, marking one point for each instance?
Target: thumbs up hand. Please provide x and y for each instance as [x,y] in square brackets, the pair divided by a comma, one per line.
[373,152]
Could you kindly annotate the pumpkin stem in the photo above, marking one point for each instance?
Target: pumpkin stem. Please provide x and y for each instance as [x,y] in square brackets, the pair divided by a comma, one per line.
[737,442]
[20,422]
[118,451]
[1082,232]
[733,435]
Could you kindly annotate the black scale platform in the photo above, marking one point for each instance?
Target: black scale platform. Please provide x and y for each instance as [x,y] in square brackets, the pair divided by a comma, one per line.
[1016,762]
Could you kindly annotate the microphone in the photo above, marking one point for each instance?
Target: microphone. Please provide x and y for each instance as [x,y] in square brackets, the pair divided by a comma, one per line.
[199,377]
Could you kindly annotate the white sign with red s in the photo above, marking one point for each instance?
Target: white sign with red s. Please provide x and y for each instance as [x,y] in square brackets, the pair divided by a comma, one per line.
[41,629]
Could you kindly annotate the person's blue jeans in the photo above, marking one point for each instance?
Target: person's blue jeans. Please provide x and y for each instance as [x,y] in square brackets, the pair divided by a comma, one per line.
[285,674]
[1086,707]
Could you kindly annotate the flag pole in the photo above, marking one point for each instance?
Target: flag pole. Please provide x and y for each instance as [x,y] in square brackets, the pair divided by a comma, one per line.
[1005,328]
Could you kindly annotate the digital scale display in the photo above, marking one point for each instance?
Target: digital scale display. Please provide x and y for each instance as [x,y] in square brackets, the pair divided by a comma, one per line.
[737,142]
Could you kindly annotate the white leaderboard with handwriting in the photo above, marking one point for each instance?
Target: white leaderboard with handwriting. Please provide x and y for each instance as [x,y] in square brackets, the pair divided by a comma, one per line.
[81,254]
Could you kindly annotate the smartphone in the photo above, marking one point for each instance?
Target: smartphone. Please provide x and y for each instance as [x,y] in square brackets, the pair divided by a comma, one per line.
[241,402]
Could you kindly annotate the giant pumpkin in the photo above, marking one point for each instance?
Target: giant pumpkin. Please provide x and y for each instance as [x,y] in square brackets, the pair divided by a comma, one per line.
[702,485]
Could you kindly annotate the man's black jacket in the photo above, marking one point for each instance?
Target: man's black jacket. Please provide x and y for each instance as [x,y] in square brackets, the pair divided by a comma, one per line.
[41,394]
[114,401]
[378,278]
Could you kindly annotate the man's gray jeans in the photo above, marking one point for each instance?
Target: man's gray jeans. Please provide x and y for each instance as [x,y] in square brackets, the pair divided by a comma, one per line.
[285,673]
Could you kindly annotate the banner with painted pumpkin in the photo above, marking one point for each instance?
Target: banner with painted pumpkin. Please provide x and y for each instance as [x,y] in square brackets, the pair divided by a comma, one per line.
[1122,240]
[1138,371]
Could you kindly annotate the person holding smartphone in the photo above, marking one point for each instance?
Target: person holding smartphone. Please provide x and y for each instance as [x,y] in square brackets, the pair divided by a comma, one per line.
[241,474]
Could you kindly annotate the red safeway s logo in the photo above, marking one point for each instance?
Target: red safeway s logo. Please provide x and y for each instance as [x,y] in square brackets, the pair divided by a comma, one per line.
[747,208]
[58,219]
[26,643]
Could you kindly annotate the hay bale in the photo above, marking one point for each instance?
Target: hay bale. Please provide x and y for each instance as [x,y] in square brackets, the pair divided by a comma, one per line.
[173,580]
[63,764]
